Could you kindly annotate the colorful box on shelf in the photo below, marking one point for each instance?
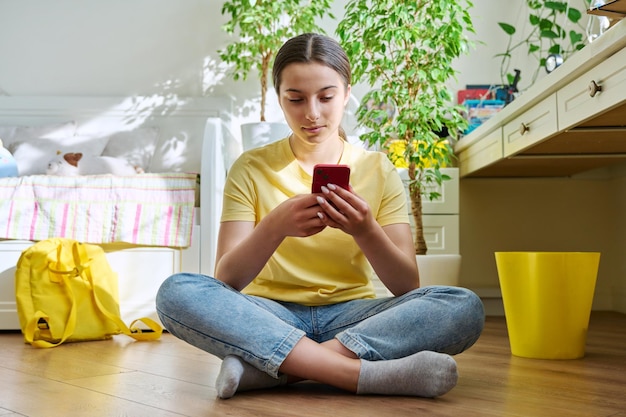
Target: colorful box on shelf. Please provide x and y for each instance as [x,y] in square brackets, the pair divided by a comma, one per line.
[478,111]
[474,94]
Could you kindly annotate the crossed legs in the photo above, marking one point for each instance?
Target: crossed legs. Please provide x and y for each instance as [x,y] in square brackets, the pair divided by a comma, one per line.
[368,347]
[424,374]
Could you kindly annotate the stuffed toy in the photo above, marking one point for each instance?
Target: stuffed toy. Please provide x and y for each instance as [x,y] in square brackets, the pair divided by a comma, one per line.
[8,165]
[72,164]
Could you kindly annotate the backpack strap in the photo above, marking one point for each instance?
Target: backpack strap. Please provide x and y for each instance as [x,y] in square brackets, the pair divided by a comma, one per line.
[154,331]
[33,325]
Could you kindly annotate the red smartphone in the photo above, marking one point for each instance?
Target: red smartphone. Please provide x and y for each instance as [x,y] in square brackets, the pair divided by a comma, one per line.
[324,174]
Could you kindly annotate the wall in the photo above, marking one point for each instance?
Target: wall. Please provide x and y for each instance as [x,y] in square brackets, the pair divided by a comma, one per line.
[117,47]
[166,47]
[146,47]
[580,213]
[618,225]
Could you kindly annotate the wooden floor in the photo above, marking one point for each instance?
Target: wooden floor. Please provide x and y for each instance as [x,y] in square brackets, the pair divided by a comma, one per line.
[121,377]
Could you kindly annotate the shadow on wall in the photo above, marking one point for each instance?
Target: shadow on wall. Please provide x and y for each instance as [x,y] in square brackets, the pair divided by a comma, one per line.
[180,122]
[160,56]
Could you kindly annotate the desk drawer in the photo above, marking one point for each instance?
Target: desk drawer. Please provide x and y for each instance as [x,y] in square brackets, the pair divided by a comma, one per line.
[594,92]
[533,126]
[482,153]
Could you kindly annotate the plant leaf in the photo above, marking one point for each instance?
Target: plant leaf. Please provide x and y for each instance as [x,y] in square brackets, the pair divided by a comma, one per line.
[534,19]
[549,34]
[508,29]
[558,6]
[575,37]
[555,49]
[574,15]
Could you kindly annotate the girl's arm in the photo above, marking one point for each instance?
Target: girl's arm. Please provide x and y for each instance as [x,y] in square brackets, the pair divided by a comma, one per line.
[243,249]
[391,253]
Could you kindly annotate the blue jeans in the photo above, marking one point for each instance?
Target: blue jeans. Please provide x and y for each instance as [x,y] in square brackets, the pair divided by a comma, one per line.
[214,317]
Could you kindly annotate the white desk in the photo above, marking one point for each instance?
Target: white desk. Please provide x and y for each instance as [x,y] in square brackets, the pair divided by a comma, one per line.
[570,121]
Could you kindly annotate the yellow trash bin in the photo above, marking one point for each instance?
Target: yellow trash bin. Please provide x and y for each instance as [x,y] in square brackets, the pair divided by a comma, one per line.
[547,300]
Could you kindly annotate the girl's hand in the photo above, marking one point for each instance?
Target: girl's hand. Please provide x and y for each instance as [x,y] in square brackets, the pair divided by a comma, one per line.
[348,211]
[296,217]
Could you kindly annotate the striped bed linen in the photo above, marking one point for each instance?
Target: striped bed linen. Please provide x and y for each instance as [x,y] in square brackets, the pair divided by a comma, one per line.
[145,209]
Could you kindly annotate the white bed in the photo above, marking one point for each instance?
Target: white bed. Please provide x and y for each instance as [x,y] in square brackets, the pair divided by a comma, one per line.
[172,138]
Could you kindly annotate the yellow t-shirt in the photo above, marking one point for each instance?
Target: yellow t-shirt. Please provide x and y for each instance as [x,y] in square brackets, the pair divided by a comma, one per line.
[325,268]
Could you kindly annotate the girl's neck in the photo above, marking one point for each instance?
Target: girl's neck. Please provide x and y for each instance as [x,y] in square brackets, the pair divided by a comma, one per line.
[309,154]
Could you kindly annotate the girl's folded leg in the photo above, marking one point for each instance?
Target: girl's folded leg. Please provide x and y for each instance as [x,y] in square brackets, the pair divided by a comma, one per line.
[214,317]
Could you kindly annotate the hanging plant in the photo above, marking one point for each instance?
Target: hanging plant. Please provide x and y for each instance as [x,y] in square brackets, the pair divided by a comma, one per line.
[554,29]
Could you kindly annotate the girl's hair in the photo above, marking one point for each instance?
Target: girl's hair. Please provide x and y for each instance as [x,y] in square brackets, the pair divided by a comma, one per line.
[312,48]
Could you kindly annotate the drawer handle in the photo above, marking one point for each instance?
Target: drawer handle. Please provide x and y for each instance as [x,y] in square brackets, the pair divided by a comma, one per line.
[594,88]
[523,128]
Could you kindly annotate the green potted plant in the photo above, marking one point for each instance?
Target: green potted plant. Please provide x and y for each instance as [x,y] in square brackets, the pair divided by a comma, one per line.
[554,32]
[405,50]
[260,28]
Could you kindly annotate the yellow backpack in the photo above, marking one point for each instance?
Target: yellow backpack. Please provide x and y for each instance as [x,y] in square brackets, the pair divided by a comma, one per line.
[66,291]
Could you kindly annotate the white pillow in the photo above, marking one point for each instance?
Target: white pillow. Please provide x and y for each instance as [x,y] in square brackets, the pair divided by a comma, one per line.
[32,156]
[6,135]
[12,134]
[136,146]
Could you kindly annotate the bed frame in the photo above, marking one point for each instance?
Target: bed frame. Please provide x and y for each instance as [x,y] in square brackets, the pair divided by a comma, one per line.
[191,139]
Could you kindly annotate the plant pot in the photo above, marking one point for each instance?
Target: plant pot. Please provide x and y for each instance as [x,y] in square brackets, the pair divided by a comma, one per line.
[254,135]
[442,269]
[547,299]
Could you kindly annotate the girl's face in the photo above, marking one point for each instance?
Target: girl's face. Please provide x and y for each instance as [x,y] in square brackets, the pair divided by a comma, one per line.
[313,97]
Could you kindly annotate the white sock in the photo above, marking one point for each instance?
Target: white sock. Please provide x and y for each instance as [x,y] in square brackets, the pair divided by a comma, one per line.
[236,375]
[423,374]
